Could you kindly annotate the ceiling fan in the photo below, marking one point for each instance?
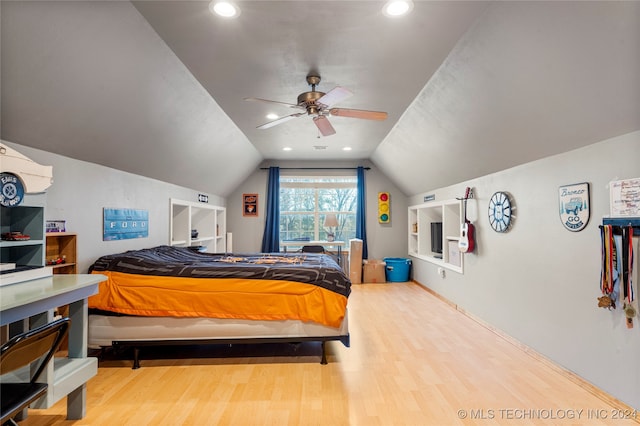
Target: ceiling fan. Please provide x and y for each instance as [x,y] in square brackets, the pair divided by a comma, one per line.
[319,105]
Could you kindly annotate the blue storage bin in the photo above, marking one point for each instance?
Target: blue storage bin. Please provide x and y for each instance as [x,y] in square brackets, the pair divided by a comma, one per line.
[397,269]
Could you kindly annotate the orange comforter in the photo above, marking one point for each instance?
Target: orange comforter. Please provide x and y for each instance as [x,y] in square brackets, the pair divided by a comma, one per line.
[253,299]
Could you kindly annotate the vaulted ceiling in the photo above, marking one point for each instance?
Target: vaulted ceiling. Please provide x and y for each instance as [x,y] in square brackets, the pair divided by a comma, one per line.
[157,88]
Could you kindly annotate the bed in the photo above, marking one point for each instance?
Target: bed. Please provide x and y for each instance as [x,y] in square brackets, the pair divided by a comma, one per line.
[174,295]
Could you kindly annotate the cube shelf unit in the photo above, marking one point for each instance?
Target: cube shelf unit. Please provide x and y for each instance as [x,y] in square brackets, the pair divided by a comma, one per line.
[61,245]
[27,218]
[449,212]
[208,220]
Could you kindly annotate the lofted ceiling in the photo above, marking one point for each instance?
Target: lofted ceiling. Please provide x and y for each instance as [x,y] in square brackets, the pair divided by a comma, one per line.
[157,88]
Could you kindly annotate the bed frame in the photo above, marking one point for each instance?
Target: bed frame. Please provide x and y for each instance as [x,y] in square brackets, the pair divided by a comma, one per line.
[136,332]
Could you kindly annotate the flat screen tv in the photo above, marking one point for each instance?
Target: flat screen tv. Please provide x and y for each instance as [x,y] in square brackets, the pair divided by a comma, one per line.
[436,237]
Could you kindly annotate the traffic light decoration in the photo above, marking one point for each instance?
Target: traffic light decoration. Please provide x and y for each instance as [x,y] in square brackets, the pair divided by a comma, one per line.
[384,207]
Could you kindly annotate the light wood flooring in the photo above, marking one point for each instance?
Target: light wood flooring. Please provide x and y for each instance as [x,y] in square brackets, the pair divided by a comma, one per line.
[413,360]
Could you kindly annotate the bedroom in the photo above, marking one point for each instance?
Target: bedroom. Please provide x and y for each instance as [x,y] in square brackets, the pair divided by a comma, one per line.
[538,283]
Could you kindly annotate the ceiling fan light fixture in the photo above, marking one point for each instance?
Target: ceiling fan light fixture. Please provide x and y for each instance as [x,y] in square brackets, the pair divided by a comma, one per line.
[224,8]
[318,105]
[395,8]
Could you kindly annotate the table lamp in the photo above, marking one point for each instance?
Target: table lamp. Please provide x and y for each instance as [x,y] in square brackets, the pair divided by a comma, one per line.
[330,225]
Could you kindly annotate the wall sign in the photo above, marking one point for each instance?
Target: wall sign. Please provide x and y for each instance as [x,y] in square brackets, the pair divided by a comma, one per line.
[11,190]
[573,201]
[124,224]
[250,205]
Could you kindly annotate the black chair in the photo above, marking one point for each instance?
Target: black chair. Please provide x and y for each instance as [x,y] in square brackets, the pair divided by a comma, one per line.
[321,250]
[39,344]
[313,249]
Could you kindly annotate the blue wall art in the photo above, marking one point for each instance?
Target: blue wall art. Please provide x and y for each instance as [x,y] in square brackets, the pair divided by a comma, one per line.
[124,224]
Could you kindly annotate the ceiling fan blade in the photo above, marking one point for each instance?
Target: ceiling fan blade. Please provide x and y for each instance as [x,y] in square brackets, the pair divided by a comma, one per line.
[358,113]
[334,96]
[273,102]
[323,124]
[280,120]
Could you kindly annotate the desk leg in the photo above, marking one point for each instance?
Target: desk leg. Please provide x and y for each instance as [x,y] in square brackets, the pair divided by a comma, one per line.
[78,313]
[79,316]
[77,403]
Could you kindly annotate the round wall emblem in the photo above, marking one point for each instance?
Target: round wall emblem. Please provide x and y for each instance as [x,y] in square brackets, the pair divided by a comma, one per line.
[11,190]
[574,206]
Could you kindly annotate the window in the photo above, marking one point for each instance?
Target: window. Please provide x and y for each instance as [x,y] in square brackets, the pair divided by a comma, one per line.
[306,201]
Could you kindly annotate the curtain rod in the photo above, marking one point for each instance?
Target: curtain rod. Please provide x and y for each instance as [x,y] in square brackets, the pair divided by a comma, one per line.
[317,168]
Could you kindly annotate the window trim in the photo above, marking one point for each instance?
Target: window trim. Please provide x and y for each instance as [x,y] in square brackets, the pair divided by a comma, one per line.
[316,185]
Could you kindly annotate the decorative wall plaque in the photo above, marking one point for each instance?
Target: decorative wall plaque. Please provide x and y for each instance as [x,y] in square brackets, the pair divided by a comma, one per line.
[573,201]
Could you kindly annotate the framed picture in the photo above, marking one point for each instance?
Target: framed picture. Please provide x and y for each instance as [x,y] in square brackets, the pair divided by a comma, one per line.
[625,198]
[250,205]
[125,224]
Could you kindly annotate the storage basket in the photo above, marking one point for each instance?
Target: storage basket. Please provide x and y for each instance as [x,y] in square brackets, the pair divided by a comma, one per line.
[397,269]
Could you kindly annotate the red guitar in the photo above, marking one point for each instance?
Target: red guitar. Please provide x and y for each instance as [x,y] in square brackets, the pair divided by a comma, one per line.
[466,243]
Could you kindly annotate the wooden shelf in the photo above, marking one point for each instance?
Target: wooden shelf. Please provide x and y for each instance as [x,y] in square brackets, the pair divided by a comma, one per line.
[64,265]
[61,245]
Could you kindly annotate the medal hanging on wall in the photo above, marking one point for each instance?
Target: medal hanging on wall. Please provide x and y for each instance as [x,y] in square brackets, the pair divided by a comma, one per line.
[627,275]
[609,273]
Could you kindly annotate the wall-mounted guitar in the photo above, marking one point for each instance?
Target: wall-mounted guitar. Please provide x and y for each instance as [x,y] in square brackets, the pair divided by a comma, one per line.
[466,243]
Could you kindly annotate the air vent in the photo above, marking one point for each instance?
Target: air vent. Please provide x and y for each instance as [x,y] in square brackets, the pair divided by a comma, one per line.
[319,147]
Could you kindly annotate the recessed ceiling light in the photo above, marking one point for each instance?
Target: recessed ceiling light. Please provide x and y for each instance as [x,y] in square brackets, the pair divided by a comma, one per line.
[287,148]
[346,148]
[224,8]
[395,8]
[272,116]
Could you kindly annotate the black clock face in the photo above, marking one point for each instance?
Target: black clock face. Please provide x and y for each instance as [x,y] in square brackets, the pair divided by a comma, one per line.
[500,212]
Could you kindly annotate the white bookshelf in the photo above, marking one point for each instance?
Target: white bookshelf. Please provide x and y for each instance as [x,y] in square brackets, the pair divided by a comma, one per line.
[208,220]
[447,212]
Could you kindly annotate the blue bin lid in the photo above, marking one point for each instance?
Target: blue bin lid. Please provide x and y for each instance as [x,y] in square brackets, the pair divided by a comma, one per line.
[397,259]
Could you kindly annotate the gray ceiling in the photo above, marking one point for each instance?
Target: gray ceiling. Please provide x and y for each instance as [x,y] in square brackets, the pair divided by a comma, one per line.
[156,88]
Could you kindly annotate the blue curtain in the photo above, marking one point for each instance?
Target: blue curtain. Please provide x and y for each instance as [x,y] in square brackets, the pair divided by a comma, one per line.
[271,237]
[361,218]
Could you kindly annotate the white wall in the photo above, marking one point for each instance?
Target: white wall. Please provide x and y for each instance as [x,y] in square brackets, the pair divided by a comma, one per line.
[539,282]
[81,190]
[384,240]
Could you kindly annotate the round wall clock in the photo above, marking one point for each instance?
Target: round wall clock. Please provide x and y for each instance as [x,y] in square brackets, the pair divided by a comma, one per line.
[500,211]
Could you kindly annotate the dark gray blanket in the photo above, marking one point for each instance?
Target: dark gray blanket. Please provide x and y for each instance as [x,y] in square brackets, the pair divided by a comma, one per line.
[310,268]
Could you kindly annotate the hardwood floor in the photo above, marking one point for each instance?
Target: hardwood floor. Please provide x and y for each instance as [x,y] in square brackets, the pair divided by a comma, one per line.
[413,360]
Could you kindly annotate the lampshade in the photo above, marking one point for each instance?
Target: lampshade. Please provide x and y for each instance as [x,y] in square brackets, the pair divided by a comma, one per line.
[330,220]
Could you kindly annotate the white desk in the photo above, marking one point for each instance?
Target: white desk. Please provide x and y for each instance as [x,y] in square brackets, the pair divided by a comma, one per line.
[35,300]
[325,244]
